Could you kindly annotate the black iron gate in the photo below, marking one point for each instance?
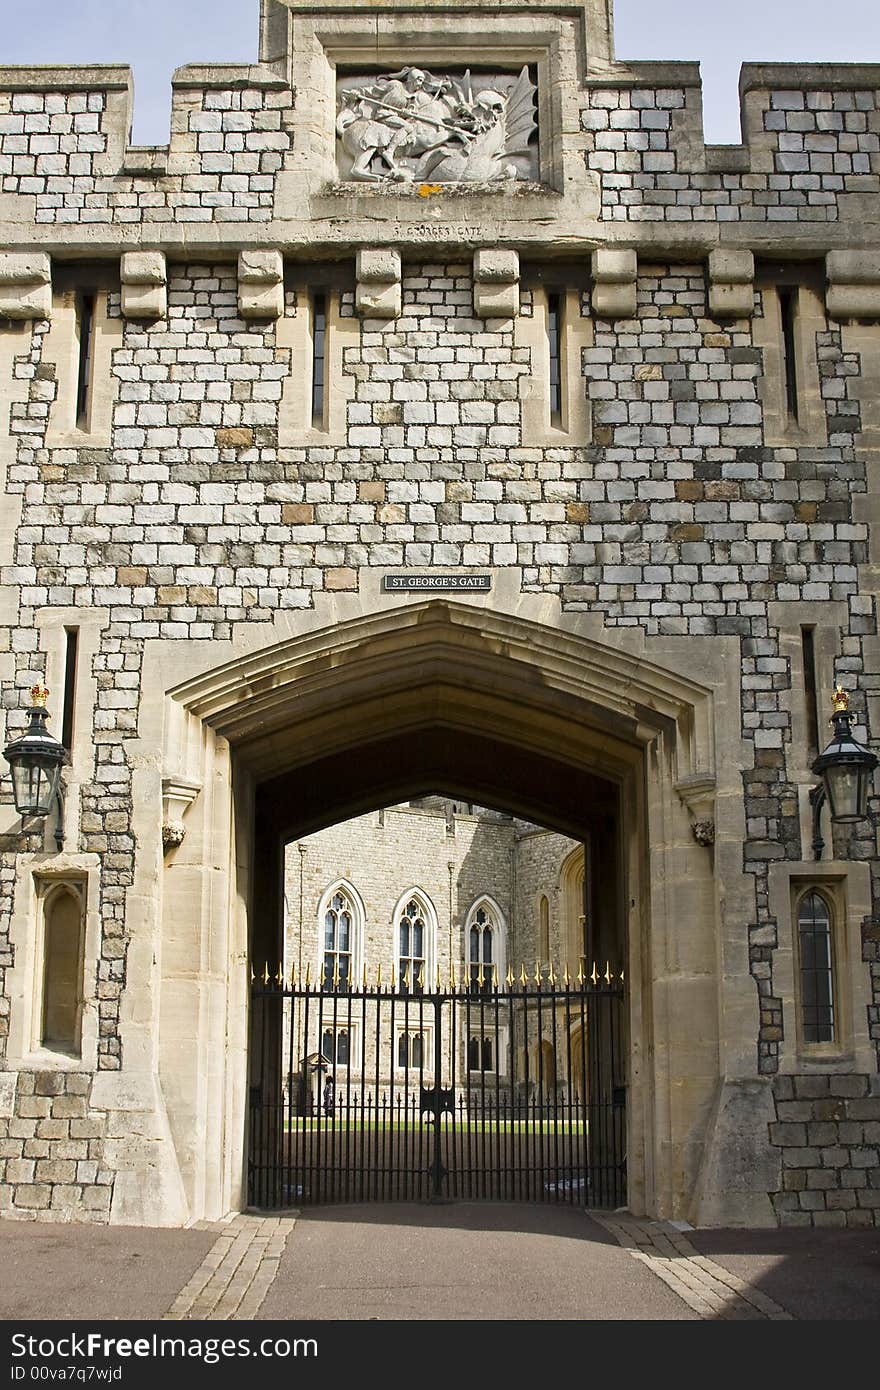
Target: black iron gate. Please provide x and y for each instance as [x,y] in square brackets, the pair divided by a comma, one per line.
[473,1092]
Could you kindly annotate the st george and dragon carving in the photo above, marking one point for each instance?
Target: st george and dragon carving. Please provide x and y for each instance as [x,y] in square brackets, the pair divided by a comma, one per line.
[410,126]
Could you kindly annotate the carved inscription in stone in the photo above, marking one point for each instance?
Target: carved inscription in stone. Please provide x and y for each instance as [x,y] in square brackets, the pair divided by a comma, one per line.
[410,125]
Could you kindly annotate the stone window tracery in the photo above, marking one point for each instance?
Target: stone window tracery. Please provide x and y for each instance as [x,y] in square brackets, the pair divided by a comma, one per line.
[340,919]
[412,930]
[486,946]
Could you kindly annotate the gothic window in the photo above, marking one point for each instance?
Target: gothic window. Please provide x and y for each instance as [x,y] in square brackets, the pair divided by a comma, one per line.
[412,946]
[480,952]
[485,938]
[341,919]
[816,968]
[62,971]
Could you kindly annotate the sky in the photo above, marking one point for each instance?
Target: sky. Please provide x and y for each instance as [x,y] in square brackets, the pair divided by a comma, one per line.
[156,36]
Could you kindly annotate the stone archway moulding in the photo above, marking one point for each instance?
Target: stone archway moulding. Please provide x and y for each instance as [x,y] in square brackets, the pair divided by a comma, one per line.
[619,693]
[565,689]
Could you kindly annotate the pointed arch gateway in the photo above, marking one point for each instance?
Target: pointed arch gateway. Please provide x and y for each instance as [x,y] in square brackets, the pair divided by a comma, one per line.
[477,704]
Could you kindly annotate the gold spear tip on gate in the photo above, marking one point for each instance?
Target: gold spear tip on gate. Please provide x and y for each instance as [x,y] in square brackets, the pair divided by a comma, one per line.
[508,979]
[481,979]
[379,976]
[566,978]
[538,973]
[308,974]
[608,976]
[523,977]
[253,976]
[420,978]
[293,975]
[552,975]
[595,974]
[335,972]
[266,973]
[494,975]
[279,975]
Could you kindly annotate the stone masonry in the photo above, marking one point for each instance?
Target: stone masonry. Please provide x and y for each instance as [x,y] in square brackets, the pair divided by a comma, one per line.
[203,512]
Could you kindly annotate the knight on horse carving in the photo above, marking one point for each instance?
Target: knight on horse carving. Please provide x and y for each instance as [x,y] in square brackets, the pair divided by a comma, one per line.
[410,126]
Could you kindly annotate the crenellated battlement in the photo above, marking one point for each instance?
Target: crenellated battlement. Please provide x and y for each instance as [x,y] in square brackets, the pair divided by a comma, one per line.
[619,153]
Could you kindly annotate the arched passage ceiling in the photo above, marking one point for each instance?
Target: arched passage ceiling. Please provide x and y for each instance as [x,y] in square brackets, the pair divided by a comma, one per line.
[446,761]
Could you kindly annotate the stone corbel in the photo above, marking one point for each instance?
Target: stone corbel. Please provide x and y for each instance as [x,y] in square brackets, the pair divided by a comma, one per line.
[144,278]
[731,284]
[614,283]
[379,294]
[25,285]
[697,794]
[178,794]
[260,284]
[853,284]
[496,283]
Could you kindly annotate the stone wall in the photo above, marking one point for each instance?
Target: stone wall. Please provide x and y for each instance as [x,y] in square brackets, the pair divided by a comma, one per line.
[52,1148]
[451,857]
[64,149]
[828,1136]
[803,150]
[540,859]
[209,516]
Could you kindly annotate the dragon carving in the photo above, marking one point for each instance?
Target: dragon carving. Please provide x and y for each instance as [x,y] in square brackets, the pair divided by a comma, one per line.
[410,126]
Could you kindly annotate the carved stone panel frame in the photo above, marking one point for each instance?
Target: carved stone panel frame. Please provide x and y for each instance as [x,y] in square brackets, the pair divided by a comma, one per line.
[325,47]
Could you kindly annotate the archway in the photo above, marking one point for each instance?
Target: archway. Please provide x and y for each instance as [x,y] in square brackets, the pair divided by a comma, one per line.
[479,706]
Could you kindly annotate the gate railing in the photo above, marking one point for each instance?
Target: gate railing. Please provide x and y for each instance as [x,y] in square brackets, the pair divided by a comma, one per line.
[474,1091]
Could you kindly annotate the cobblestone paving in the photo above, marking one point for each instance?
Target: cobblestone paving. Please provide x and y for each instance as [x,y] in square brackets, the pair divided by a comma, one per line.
[237,1272]
[705,1286]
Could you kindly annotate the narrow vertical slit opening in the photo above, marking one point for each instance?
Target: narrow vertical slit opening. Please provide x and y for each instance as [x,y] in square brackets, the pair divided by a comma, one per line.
[85,322]
[811,703]
[787,312]
[70,663]
[319,347]
[554,337]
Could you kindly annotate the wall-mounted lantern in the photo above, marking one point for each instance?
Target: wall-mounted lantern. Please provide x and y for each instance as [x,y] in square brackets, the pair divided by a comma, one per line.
[36,759]
[845,767]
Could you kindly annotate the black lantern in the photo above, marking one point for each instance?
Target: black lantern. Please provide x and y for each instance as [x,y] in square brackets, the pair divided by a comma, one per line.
[36,760]
[845,767]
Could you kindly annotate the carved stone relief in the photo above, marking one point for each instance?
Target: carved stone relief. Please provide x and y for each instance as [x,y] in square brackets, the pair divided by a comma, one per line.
[412,126]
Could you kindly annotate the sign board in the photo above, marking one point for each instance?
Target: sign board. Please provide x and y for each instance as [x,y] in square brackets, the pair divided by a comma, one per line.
[432,583]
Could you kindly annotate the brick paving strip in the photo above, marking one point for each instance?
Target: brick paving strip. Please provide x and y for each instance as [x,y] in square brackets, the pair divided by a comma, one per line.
[705,1286]
[238,1270]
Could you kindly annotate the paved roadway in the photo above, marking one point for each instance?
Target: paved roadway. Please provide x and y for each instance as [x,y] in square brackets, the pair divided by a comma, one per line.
[451,1261]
